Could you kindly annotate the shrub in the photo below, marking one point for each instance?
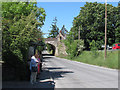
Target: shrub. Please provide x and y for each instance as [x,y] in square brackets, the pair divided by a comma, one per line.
[94,48]
[75,48]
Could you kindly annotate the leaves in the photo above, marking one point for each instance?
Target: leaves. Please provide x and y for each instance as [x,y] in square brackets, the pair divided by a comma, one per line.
[73,47]
[55,30]
[92,21]
[20,26]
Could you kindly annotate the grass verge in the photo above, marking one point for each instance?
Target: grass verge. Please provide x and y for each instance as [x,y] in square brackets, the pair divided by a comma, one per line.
[88,57]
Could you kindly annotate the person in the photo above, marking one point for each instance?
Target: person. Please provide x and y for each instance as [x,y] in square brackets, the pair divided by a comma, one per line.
[38,64]
[33,68]
[41,60]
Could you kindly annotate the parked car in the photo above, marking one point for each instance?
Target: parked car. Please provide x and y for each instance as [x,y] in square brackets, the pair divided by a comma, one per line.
[116,46]
[108,47]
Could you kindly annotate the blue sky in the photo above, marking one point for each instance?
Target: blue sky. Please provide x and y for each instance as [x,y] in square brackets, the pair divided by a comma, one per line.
[64,11]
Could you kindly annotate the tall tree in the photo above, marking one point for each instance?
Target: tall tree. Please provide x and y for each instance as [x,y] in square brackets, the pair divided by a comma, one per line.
[117,23]
[91,19]
[55,30]
[20,25]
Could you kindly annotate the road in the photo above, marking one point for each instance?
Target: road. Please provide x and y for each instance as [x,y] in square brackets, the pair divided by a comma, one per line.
[72,74]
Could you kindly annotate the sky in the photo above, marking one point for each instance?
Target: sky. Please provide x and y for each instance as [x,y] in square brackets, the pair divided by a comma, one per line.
[64,11]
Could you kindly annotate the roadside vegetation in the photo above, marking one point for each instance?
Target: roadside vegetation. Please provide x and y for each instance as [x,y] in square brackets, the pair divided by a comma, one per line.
[91,21]
[89,58]
[21,23]
[91,24]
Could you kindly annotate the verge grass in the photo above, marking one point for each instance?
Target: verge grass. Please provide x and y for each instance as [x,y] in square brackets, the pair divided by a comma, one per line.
[88,57]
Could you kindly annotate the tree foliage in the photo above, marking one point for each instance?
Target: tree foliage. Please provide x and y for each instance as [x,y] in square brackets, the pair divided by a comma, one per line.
[55,30]
[21,23]
[91,19]
[94,48]
[117,24]
[73,47]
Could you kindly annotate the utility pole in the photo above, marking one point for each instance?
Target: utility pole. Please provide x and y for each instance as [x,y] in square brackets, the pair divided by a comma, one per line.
[105,28]
[79,33]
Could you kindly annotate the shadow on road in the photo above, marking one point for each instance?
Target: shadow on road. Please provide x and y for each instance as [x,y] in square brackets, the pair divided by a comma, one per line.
[45,79]
[58,74]
[55,73]
[51,68]
[43,82]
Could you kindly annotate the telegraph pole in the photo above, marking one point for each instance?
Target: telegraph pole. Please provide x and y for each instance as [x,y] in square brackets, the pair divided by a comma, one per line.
[105,28]
[79,33]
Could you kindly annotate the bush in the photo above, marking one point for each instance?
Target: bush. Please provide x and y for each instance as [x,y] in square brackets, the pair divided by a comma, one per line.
[18,30]
[110,62]
[75,48]
[94,48]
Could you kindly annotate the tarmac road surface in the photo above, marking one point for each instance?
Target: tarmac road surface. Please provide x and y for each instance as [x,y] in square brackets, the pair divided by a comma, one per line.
[72,74]
[62,73]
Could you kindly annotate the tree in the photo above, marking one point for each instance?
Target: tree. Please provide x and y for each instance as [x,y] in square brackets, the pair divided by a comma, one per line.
[117,23]
[20,23]
[73,47]
[55,30]
[92,21]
